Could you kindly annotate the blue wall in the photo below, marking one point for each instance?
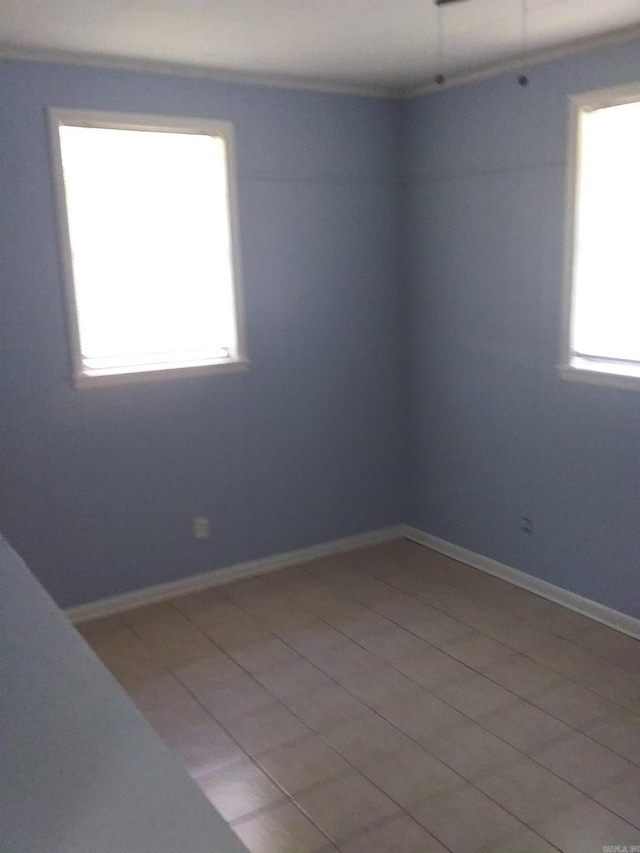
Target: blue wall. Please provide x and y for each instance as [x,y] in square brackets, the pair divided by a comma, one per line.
[495,434]
[98,488]
[403,271]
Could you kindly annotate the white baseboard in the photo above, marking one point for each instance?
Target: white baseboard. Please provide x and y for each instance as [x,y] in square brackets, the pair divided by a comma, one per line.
[600,612]
[217,577]
[161,592]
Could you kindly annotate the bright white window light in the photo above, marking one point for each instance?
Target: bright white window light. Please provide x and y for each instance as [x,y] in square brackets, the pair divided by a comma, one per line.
[604,316]
[148,210]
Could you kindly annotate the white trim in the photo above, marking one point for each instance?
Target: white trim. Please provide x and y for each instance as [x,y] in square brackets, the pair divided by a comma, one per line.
[131,377]
[571,600]
[217,577]
[223,130]
[570,215]
[611,96]
[64,243]
[11,53]
[521,62]
[14,53]
[571,366]
[598,377]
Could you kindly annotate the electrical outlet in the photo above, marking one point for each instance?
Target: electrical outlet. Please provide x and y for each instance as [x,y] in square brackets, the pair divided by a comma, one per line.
[201,527]
[526,525]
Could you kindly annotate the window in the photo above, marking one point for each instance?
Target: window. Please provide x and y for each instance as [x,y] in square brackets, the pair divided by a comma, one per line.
[149,245]
[602,312]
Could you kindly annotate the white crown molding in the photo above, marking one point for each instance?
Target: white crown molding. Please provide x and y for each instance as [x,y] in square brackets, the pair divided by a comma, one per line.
[593,609]
[217,577]
[521,62]
[13,53]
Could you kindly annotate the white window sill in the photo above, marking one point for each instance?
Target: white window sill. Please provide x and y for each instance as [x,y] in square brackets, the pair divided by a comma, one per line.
[102,380]
[615,375]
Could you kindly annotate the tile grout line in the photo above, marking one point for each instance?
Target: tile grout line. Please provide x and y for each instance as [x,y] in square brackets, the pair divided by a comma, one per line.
[479,631]
[329,586]
[304,569]
[374,710]
[348,638]
[470,667]
[517,698]
[263,809]
[252,759]
[346,557]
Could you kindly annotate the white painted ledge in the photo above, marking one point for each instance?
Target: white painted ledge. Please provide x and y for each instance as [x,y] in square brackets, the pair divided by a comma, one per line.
[82,770]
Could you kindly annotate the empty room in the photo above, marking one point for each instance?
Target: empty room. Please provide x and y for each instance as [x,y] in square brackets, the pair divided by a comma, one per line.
[320,426]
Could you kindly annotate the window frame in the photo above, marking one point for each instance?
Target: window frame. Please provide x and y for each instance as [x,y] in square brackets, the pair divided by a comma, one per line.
[597,371]
[59,117]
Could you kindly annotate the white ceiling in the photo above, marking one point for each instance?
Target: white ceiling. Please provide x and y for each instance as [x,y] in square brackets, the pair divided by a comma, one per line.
[387,45]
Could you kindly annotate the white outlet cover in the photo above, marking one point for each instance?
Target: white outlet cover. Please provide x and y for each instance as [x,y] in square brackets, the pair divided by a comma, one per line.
[201,527]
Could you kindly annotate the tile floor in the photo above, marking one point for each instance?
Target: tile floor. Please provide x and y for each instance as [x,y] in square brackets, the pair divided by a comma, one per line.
[391,699]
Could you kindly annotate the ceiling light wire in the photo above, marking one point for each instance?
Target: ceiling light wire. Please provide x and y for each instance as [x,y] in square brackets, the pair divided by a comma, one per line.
[523,80]
[439,78]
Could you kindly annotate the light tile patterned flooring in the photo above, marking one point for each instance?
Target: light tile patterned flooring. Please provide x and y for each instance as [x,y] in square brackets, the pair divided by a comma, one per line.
[390,700]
